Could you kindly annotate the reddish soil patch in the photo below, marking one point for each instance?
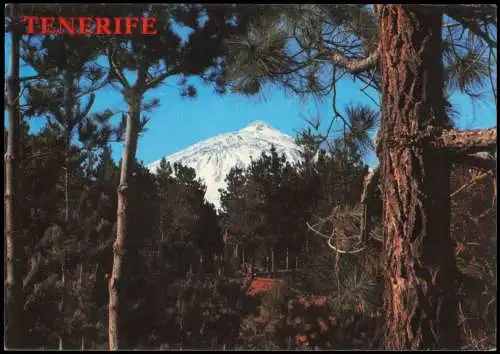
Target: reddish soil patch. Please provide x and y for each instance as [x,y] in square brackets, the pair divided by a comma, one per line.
[260,285]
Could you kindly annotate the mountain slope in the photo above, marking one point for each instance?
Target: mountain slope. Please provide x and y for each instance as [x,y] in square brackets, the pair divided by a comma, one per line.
[213,158]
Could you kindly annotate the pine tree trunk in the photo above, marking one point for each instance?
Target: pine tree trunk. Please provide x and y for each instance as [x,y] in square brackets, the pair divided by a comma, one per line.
[219,261]
[132,132]
[420,298]
[80,278]
[12,281]
[66,225]
[80,286]
[243,266]
[61,305]
[162,231]
[272,261]
[68,110]
[268,261]
[66,177]
[252,263]
[294,264]
[237,262]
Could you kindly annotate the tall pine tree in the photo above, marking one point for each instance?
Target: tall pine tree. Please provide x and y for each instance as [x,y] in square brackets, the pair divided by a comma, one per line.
[12,280]
[413,53]
[154,59]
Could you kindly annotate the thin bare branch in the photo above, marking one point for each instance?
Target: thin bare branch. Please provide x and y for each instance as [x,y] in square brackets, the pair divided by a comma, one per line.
[319,233]
[87,108]
[368,84]
[338,250]
[329,241]
[472,182]
[155,81]
[334,101]
[39,155]
[344,232]
[490,76]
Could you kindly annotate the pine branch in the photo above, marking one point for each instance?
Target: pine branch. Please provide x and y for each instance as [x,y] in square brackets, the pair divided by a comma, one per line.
[475,180]
[50,263]
[85,111]
[468,16]
[155,81]
[29,78]
[354,66]
[81,94]
[317,232]
[115,68]
[340,219]
[466,141]
[341,251]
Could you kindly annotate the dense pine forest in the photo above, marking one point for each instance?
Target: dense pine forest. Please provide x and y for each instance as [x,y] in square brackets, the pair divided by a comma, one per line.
[328,253]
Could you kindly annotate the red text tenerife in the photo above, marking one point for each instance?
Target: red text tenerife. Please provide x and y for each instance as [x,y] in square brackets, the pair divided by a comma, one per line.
[90,25]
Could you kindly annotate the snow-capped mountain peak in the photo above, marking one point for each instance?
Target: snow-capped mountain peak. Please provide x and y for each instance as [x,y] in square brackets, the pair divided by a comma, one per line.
[257,125]
[213,158]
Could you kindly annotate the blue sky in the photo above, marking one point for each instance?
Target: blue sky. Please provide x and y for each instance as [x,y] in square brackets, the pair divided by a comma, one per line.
[179,122]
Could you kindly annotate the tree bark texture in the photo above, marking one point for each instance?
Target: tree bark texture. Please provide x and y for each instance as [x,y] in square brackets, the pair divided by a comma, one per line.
[12,281]
[467,141]
[132,132]
[420,300]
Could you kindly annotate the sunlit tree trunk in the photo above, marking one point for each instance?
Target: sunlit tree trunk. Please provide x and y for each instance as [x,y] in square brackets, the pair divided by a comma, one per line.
[131,136]
[420,299]
[12,281]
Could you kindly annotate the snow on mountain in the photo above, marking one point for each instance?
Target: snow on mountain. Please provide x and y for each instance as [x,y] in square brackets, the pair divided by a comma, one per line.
[213,158]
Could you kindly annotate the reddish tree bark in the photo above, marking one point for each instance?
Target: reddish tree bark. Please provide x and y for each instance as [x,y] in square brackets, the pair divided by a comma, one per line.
[420,299]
